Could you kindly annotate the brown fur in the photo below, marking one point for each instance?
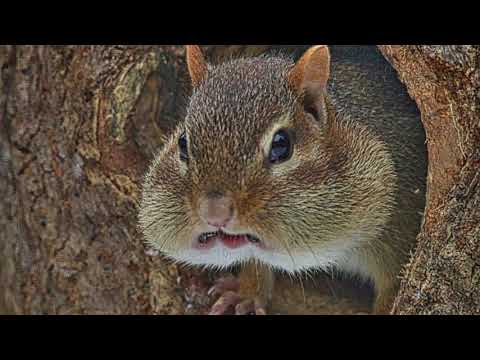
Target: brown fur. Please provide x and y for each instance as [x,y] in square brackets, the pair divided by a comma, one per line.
[358,171]
[196,64]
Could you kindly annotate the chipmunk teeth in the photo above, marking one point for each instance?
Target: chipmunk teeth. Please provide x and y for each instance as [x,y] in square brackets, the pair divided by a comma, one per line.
[205,238]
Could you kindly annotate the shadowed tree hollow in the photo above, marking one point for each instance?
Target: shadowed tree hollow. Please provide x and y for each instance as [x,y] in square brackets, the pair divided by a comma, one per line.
[80,124]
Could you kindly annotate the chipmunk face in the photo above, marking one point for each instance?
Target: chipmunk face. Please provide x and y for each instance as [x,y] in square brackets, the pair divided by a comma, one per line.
[248,175]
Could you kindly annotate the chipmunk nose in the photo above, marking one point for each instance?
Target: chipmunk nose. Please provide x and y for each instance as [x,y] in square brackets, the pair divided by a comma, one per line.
[216,209]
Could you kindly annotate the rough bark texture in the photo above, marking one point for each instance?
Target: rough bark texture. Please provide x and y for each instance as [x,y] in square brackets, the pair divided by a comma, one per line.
[76,137]
[444,274]
[79,125]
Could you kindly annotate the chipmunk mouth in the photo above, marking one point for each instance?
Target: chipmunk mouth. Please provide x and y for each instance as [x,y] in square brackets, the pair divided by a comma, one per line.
[230,241]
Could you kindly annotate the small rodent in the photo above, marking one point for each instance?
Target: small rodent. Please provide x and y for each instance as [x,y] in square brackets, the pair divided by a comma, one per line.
[292,166]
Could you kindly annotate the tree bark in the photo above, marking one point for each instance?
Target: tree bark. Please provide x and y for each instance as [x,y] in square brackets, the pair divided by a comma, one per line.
[444,274]
[80,124]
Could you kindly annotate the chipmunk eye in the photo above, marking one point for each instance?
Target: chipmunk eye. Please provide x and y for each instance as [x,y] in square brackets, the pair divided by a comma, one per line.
[281,147]
[183,146]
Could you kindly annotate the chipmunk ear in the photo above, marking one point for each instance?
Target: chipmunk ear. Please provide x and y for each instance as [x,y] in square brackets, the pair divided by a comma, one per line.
[309,78]
[312,71]
[197,66]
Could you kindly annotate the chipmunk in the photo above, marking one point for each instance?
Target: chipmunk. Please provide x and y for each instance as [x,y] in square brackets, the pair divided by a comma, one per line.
[291,166]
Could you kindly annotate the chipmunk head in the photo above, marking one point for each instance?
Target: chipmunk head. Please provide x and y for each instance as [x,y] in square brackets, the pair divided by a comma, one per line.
[250,173]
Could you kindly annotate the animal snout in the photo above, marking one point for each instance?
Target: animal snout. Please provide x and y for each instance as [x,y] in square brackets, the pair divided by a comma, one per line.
[216,209]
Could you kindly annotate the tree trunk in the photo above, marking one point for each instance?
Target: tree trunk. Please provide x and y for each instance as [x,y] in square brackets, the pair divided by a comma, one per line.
[444,274]
[80,124]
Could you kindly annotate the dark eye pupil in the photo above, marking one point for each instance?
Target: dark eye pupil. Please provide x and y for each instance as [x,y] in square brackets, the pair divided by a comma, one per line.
[183,145]
[281,147]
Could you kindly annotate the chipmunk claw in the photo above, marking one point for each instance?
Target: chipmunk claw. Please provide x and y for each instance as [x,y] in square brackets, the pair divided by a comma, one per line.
[251,307]
[223,285]
[225,304]
[231,302]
